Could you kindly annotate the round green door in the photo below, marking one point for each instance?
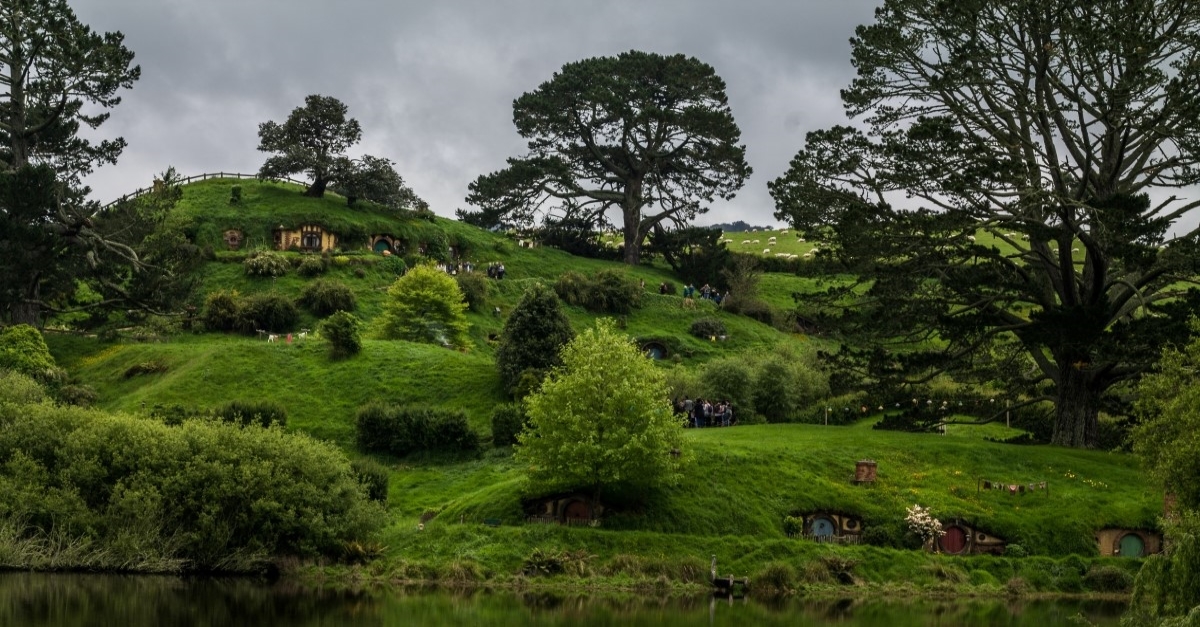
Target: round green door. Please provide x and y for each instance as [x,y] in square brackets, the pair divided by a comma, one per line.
[382,245]
[1132,546]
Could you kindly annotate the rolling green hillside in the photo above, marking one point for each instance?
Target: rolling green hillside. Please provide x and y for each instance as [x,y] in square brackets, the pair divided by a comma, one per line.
[743,480]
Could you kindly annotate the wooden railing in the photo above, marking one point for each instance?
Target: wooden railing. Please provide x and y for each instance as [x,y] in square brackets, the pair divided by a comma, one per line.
[204,177]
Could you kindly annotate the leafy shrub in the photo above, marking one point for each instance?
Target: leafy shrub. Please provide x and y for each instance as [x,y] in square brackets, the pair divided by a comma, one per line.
[475,290]
[671,288]
[235,195]
[373,476]
[793,525]
[312,265]
[222,311]
[1015,550]
[730,378]
[246,413]
[202,495]
[706,328]
[543,563]
[507,422]
[1108,579]
[265,264]
[326,297]
[425,305]
[758,310]
[24,350]
[343,330]
[391,266]
[533,335]
[404,430]
[983,578]
[20,389]
[774,390]
[609,291]
[270,312]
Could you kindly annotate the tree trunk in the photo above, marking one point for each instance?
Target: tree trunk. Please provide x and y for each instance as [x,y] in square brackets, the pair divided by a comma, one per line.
[633,237]
[26,313]
[317,189]
[1076,412]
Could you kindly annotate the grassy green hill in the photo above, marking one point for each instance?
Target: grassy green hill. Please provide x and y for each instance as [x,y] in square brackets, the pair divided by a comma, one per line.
[743,482]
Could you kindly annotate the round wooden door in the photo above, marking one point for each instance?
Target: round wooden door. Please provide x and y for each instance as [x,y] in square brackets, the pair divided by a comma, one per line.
[1132,545]
[822,527]
[955,540]
[577,509]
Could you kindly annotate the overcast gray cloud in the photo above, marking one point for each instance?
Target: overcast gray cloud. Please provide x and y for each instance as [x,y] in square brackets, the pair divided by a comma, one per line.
[433,82]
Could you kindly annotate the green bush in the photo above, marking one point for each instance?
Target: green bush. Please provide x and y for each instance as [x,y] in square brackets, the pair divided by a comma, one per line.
[1108,579]
[265,264]
[246,413]
[774,579]
[475,289]
[403,430]
[235,195]
[222,311]
[507,421]
[705,328]
[533,335]
[391,266]
[344,332]
[24,350]
[374,478]
[323,297]
[1015,550]
[313,265]
[202,495]
[20,389]
[793,525]
[609,291]
[730,378]
[774,390]
[270,312]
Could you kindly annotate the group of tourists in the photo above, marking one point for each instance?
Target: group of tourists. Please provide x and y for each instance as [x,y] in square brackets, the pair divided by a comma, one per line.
[455,269]
[706,292]
[496,270]
[702,413]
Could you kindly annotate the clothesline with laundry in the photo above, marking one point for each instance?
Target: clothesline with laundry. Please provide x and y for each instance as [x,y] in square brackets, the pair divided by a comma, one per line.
[1012,488]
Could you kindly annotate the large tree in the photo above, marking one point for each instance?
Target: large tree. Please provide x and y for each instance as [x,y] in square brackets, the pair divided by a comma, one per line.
[376,179]
[646,136]
[533,336]
[312,140]
[1001,195]
[57,77]
[602,419]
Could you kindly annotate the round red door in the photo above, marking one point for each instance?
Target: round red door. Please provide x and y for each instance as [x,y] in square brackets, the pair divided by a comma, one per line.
[954,542]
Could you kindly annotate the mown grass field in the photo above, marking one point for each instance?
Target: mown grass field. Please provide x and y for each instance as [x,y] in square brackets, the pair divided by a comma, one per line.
[741,483]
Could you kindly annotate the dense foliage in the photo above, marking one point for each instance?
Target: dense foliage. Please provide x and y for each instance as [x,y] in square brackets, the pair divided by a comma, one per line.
[606,291]
[508,420]
[325,297]
[602,419]
[24,350]
[648,135]
[403,430]
[343,331]
[426,305]
[122,492]
[1041,127]
[533,335]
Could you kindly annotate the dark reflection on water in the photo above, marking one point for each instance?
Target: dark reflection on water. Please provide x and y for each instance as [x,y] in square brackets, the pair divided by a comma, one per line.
[37,600]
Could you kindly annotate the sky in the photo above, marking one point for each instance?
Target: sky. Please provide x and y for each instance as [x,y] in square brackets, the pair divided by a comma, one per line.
[432,82]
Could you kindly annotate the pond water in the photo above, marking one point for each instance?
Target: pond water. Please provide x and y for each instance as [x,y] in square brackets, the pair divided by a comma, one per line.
[39,600]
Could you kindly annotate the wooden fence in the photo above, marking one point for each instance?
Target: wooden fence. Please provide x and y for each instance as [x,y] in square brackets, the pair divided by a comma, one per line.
[204,177]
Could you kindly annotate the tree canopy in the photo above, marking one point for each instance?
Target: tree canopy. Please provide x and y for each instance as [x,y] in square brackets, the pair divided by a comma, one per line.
[376,179]
[1001,196]
[533,336]
[602,419]
[646,136]
[58,78]
[426,305]
[312,140]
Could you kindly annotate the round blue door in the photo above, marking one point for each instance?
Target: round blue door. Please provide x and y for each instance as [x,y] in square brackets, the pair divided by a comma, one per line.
[822,527]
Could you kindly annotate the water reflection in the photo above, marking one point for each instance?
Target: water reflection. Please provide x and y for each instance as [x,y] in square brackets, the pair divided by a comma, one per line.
[37,600]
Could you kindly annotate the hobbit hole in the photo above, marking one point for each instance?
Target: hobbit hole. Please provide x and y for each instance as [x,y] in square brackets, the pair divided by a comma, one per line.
[1128,542]
[655,350]
[233,239]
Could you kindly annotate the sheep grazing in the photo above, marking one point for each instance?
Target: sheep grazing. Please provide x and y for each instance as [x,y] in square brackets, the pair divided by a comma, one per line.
[755,241]
[1074,250]
[781,255]
[971,237]
[766,251]
[745,242]
[807,255]
[799,239]
[783,232]
[1014,235]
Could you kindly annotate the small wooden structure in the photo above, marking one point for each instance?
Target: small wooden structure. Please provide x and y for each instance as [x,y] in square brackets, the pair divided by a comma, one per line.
[961,538]
[864,471]
[1118,542]
[728,584]
[832,527]
[233,239]
[565,509]
[310,237]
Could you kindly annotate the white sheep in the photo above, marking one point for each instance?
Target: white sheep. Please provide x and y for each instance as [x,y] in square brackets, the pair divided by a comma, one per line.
[766,251]
[272,337]
[755,241]
[781,255]
[783,232]
[800,239]
[1074,250]
[807,255]
[971,237]
[745,242]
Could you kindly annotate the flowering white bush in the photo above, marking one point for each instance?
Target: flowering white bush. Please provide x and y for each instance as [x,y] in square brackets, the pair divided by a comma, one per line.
[921,523]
